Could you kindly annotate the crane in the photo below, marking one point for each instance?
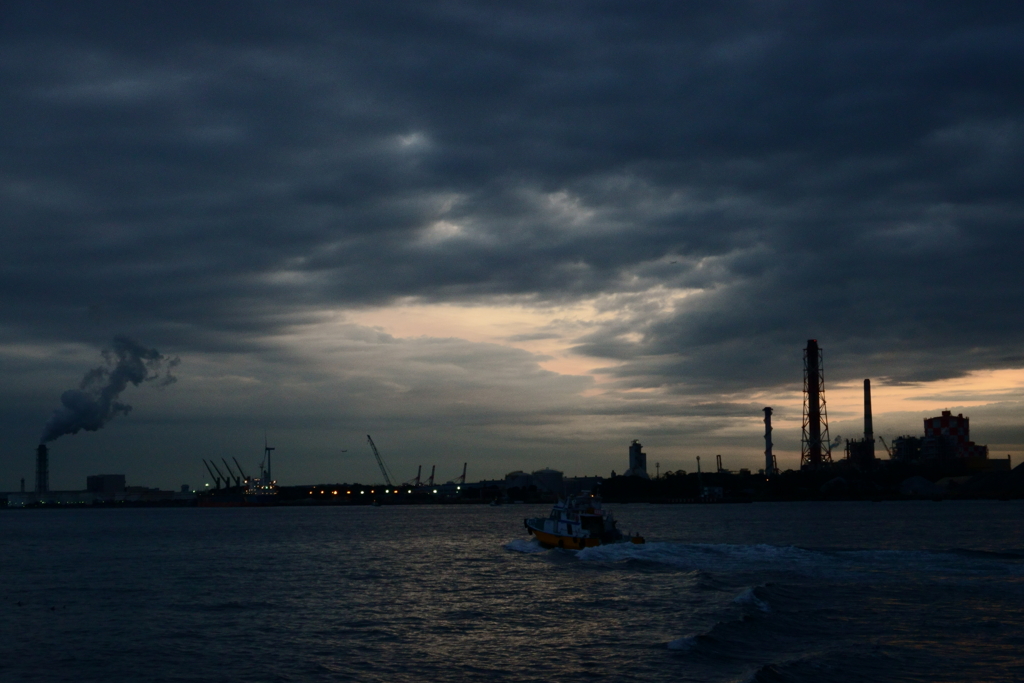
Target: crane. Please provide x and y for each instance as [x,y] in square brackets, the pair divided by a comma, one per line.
[244,475]
[430,482]
[216,479]
[416,481]
[886,447]
[238,481]
[227,480]
[380,462]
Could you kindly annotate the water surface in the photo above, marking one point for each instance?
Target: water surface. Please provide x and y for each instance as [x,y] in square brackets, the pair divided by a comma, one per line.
[912,591]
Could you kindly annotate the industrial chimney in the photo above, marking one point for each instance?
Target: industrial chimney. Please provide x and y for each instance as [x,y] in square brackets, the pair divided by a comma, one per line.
[815,448]
[861,452]
[869,431]
[769,457]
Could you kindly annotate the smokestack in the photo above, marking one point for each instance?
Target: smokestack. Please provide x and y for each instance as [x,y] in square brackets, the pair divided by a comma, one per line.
[42,469]
[813,403]
[769,458]
[815,448]
[869,432]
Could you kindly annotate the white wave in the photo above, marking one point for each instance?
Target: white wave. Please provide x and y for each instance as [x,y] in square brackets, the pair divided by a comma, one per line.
[522,545]
[683,644]
[749,597]
[724,557]
[692,556]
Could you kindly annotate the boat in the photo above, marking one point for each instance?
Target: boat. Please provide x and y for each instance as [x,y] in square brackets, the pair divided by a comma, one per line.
[252,492]
[578,522]
[260,492]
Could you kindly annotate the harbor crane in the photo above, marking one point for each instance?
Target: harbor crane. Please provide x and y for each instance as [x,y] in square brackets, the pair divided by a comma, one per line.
[227,480]
[238,480]
[245,477]
[416,481]
[216,479]
[380,462]
[430,482]
[461,479]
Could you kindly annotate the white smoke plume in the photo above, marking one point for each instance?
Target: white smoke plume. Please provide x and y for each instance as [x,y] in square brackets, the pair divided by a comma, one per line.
[94,403]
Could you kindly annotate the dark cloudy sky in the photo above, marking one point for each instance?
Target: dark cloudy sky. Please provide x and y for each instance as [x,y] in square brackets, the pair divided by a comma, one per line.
[516,236]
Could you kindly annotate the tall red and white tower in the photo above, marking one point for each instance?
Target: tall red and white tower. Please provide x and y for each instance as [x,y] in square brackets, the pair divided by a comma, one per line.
[815,447]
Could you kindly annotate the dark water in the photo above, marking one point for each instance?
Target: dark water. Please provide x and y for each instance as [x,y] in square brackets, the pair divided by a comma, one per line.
[763,592]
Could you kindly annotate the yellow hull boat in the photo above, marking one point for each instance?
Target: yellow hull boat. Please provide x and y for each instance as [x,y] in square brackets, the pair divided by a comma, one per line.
[576,523]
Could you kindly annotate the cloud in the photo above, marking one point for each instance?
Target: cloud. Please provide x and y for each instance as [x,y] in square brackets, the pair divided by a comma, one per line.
[730,180]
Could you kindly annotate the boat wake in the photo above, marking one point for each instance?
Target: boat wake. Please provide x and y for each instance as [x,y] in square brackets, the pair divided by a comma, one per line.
[752,603]
[791,559]
[749,598]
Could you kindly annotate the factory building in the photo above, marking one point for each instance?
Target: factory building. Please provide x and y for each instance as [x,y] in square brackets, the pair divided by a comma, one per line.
[545,480]
[637,461]
[955,430]
[946,437]
[100,489]
[549,480]
[105,483]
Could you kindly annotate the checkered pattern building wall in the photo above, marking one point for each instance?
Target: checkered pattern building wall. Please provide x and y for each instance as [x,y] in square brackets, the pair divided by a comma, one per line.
[957,429]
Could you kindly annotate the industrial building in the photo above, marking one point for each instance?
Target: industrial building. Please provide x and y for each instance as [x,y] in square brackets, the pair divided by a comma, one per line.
[105,483]
[956,431]
[637,461]
[547,483]
[100,489]
[946,437]
[130,495]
